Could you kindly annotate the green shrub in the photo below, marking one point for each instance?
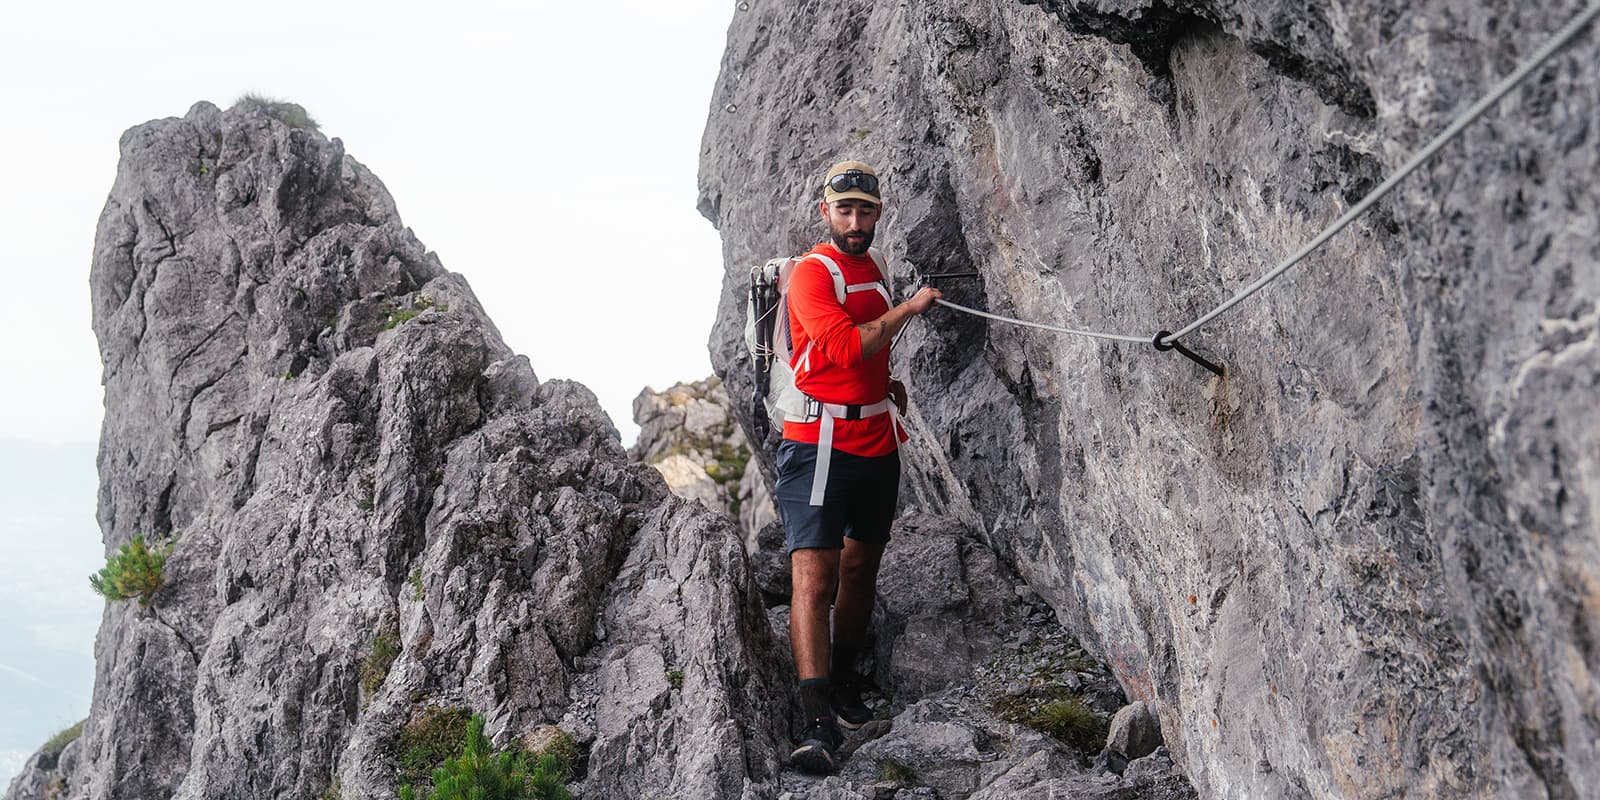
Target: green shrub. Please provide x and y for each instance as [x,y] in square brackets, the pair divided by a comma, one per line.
[428,740]
[135,571]
[416,584]
[730,464]
[292,114]
[675,677]
[375,667]
[480,774]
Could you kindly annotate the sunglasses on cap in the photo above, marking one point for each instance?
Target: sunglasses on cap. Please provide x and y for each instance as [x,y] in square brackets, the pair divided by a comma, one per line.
[854,179]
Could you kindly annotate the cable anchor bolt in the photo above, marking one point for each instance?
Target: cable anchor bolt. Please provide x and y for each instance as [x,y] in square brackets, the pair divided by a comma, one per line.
[1164,346]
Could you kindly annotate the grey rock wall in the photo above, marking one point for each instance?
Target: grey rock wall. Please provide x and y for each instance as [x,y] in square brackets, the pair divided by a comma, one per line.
[1362,565]
[352,461]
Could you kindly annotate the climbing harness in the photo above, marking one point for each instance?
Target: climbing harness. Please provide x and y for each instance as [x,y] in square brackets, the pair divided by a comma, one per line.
[1169,341]
[828,412]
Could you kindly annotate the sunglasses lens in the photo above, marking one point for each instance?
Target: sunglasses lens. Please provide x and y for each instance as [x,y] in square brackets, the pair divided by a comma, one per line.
[844,182]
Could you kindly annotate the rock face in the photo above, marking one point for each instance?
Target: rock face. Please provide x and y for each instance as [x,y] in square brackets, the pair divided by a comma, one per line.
[377,508]
[1362,565]
[690,435]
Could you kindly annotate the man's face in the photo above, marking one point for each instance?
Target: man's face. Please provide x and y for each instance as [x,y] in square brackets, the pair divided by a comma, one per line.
[851,223]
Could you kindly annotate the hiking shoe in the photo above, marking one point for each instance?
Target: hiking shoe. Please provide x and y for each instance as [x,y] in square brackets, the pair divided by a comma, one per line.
[848,709]
[817,743]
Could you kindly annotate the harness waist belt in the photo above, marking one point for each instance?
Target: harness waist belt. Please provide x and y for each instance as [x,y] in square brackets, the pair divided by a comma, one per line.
[844,411]
[828,412]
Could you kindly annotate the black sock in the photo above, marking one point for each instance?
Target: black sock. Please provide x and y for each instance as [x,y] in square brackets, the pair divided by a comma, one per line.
[844,663]
[814,698]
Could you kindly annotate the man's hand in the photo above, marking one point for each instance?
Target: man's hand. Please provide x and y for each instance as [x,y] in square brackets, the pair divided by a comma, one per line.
[923,299]
[897,393]
[879,333]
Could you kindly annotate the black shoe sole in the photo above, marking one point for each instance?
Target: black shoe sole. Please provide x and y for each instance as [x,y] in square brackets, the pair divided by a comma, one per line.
[813,758]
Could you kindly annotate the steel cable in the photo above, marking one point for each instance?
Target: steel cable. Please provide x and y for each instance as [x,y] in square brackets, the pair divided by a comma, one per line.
[1506,84]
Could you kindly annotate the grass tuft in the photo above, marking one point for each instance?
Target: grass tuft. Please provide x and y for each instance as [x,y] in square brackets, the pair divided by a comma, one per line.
[292,114]
[51,751]
[564,749]
[1059,714]
[425,742]
[400,316]
[375,667]
[896,772]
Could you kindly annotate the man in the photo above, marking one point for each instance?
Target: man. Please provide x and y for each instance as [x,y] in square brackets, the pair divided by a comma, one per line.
[839,467]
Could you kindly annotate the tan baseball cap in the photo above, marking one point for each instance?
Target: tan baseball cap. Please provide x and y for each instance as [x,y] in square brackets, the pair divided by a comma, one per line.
[865,175]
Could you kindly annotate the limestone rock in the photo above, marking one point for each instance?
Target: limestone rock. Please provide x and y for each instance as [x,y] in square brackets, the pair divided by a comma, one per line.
[376,507]
[1361,565]
[769,561]
[1135,731]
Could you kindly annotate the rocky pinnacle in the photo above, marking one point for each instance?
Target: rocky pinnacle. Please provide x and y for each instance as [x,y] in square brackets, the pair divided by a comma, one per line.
[377,511]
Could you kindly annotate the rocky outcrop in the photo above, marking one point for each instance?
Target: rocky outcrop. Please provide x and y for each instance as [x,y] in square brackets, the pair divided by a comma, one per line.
[377,509]
[688,432]
[1363,564]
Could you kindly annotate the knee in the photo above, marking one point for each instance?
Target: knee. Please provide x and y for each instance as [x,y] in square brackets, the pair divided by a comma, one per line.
[813,586]
[858,574]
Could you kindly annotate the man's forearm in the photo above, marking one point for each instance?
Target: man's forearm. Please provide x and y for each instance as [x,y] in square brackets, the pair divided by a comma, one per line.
[877,334]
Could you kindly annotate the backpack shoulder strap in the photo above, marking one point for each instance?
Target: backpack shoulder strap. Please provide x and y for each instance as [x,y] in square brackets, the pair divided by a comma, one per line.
[883,267]
[833,269]
[882,284]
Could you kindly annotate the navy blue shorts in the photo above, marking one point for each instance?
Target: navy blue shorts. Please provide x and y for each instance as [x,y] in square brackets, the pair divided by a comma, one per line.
[858,502]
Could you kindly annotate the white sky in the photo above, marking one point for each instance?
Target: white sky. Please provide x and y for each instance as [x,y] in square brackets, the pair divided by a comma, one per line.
[546,151]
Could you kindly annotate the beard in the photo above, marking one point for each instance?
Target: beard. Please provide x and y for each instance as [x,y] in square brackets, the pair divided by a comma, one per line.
[853,248]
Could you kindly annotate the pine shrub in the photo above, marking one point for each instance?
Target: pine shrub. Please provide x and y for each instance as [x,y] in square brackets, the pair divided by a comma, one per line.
[481,774]
[135,571]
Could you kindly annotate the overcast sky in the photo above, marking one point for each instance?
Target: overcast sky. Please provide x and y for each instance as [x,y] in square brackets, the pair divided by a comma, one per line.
[546,151]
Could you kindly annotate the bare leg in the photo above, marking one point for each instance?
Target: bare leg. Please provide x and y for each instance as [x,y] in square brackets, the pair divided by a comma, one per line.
[858,586]
[814,574]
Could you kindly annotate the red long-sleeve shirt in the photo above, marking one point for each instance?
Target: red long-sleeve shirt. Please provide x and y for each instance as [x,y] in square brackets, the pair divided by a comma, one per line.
[837,371]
